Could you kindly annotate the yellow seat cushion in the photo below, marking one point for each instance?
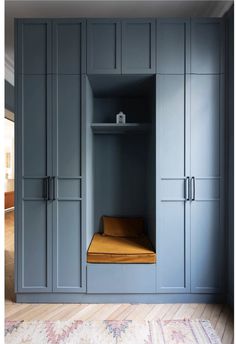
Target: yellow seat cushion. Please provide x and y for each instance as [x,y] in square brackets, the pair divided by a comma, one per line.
[123,226]
[108,249]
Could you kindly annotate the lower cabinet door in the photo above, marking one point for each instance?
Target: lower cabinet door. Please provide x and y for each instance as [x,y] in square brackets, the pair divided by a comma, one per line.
[207,242]
[68,240]
[121,278]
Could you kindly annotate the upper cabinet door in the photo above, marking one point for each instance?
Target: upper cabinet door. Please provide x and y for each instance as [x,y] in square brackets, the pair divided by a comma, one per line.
[103,46]
[207,46]
[138,46]
[33,50]
[173,46]
[69,46]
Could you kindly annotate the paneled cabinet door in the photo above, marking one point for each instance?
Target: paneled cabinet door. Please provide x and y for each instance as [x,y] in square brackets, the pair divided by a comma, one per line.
[33,164]
[138,46]
[103,46]
[207,46]
[68,239]
[207,168]
[173,46]
[33,46]
[172,192]
[69,46]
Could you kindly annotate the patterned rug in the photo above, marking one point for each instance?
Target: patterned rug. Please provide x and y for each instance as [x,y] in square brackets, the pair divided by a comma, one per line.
[110,331]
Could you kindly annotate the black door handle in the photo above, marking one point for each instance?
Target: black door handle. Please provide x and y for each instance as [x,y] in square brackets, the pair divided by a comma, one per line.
[52,189]
[193,187]
[46,188]
[187,189]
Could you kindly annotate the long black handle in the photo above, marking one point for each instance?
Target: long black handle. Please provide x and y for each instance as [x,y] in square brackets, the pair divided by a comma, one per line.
[193,188]
[52,189]
[187,197]
[46,188]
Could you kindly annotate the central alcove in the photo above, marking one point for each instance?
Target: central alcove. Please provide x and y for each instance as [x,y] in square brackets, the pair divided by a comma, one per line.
[120,158]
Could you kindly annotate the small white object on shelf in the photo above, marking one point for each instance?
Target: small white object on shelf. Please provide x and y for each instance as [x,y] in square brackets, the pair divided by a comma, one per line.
[120,118]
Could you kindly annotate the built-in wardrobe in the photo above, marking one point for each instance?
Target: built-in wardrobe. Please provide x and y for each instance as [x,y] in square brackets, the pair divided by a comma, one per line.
[74,164]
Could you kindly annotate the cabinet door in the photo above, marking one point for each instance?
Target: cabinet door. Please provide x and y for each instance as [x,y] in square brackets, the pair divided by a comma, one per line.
[103,46]
[207,166]
[68,239]
[138,46]
[207,46]
[33,46]
[69,46]
[173,46]
[33,164]
[172,167]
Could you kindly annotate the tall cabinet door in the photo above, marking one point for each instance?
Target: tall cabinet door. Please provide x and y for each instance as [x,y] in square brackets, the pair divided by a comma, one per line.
[172,186]
[138,46]
[68,239]
[33,234]
[207,171]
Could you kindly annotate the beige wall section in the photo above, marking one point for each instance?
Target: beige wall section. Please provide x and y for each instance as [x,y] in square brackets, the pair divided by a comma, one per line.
[9,154]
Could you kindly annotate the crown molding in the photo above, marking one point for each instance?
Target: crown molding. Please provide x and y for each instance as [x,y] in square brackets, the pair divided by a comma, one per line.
[9,69]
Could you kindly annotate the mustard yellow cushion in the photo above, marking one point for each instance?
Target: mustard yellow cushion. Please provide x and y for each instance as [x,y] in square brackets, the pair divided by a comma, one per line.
[110,249]
[123,226]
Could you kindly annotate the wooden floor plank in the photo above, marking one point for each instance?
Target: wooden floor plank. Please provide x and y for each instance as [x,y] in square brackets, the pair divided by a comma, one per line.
[222,320]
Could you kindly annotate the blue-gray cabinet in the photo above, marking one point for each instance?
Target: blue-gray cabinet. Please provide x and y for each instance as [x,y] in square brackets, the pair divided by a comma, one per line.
[173,46]
[121,46]
[190,183]
[49,209]
[207,46]
[103,46]
[58,157]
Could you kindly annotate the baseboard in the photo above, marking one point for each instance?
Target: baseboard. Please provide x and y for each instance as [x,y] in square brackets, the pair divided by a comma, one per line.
[118,298]
[230,300]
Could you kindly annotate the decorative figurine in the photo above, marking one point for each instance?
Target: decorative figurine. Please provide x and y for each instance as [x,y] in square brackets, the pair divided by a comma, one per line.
[120,118]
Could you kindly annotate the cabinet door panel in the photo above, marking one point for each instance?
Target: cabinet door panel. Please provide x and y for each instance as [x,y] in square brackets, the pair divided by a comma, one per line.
[69,46]
[206,46]
[33,46]
[69,245]
[207,254]
[172,46]
[68,238]
[138,46]
[207,166]
[205,125]
[103,47]
[172,275]
[172,211]
[171,108]
[34,118]
[68,105]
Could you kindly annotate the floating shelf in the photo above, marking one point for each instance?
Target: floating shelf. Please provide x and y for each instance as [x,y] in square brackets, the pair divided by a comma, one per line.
[113,128]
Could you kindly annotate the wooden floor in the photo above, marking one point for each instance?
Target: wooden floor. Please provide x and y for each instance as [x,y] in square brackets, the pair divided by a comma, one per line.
[220,316]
